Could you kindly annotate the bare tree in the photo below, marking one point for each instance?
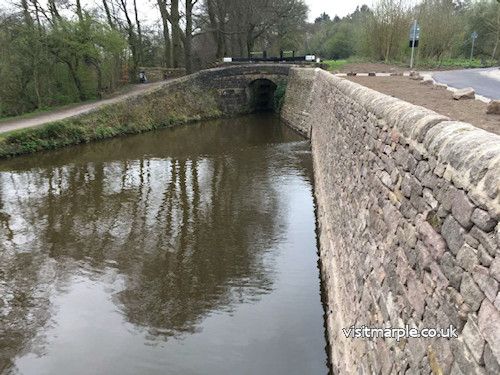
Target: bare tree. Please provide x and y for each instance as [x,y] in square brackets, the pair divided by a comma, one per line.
[165,18]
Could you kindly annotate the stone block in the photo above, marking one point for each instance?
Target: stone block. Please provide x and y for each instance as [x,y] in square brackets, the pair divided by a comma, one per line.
[386,179]
[484,257]
[488,284]
[471,241]
[452,272]
[464,360]
[483,220]
[443,357]
[473,338]
[416,294]
[406,186]
[446,196]
[438,276]
[422,169]
[462,209]
[431,238]
[416,186]
[486,239]
[467,257]
[407,209]
[471,292]
[427,82]
[489,326]
[495,268]
[429,198]
[466,93]
[453,233]
[490,362]
[493,107]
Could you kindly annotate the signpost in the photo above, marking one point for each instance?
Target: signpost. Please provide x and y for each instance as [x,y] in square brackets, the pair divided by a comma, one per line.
[473,36]
[414,37]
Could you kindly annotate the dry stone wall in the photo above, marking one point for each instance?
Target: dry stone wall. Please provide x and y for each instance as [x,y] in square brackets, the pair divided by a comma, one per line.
[408,208]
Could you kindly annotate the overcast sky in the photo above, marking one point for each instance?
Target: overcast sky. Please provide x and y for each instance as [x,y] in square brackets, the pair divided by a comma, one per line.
[316,7]
[333,7]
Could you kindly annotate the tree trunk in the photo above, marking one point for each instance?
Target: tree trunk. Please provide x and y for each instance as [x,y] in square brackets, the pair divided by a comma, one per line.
[108,14]
[76,80]
[189,36]
[249,41]
[53,11]
[79,12]
[139,34]
[132,41]
[166,33]
[176,37]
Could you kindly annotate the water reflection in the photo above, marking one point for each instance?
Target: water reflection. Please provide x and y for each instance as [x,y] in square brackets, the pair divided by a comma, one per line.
[175,226]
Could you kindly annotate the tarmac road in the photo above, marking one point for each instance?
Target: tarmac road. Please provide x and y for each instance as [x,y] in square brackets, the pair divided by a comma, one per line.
[486,81]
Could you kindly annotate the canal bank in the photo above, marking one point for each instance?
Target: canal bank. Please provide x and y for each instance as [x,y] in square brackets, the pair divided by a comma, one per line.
[208,94]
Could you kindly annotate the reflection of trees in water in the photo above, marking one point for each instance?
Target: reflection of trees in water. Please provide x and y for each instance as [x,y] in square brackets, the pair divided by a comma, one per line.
[189,235]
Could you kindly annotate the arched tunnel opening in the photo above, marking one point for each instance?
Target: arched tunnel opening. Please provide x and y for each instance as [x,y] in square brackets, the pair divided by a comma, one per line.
[262,95]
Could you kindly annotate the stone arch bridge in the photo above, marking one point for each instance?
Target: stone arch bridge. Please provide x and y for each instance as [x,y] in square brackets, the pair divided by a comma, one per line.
[244,88]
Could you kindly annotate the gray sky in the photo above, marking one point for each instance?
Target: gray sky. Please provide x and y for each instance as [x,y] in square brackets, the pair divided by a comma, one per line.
[334,7]
[316,7]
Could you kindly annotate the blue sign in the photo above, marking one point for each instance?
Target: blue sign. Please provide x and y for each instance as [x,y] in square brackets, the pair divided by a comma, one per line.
[474,35]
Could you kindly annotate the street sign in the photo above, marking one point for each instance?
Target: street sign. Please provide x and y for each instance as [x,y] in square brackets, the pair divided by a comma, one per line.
[414,37]
[414,32]
[473,36]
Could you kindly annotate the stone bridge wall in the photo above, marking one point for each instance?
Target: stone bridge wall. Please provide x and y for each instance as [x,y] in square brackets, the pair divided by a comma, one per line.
[408,207]
[157,73]
[232,83]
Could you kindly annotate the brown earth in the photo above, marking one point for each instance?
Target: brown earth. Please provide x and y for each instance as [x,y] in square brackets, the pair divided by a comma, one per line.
[438,99]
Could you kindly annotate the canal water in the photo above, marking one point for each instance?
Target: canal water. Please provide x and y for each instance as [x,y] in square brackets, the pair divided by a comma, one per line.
[183,251]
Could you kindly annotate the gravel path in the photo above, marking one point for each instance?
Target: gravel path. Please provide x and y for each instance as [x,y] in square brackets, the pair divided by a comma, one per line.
[56,115]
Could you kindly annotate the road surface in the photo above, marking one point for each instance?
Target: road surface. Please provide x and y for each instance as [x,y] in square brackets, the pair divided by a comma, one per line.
[486,81]
[60,114]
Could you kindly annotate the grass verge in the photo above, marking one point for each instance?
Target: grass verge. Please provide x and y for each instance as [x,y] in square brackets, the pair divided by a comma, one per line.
[334,64]
[134,115]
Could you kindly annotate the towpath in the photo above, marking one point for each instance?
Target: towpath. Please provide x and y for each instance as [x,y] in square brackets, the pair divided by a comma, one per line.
[61,114]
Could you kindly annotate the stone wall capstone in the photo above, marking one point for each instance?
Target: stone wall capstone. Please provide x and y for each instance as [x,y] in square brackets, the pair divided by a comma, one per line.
[408,207]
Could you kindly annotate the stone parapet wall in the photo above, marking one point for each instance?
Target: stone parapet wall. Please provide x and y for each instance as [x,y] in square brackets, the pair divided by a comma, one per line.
[155,73]
[408,207]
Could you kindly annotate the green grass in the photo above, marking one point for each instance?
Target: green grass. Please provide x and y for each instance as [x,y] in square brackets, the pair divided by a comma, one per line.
[148,112]
[455,63]
[447,63]
[334,64]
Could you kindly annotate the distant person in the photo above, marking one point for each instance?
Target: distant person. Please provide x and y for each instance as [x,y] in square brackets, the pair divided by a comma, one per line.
[142,77]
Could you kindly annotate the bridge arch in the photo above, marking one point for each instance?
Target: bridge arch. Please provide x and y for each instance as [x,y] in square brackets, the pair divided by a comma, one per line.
[260,93]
